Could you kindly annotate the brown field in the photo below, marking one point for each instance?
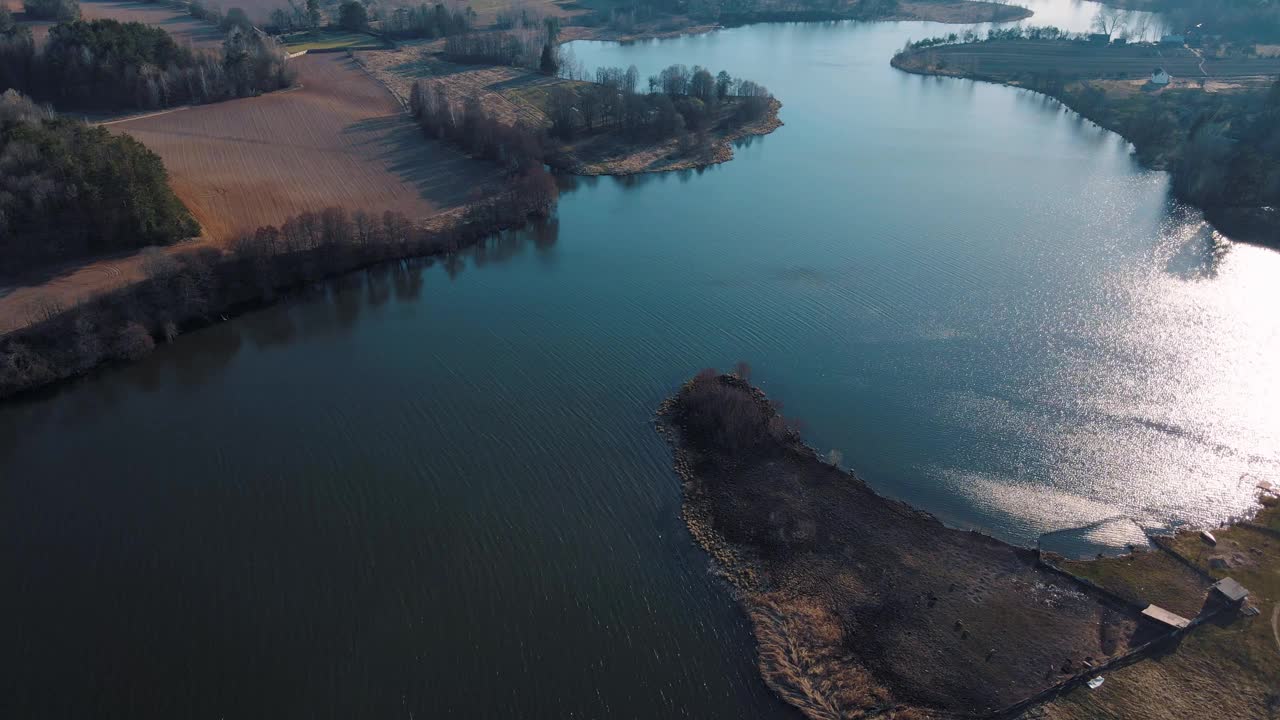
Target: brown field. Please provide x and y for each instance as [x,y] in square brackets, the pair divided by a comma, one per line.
[1012,58]
[339,139]
[185,29]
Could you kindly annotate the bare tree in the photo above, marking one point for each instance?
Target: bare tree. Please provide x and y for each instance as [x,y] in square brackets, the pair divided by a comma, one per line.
[1109,21]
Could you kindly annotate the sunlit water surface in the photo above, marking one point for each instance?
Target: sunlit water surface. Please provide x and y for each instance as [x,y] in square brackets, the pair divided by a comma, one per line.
[433,490]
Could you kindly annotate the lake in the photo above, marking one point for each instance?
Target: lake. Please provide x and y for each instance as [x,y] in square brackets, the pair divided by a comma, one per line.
[435,488]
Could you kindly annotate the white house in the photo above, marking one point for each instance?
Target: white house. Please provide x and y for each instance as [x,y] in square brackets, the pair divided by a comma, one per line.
[1159,77]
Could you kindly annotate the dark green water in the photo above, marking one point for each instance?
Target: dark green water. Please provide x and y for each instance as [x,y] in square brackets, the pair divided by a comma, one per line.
[432,491]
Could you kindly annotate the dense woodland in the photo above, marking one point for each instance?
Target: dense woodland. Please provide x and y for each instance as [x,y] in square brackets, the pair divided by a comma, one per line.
[68,190]
[108,65]
[1223,149]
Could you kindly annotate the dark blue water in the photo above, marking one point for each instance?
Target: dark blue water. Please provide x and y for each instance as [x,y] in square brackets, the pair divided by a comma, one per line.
[435,490]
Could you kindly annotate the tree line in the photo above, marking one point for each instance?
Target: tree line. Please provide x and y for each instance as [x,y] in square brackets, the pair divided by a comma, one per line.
[679,100]
[59,10]
[529,41]
[428,21]
[68,190]
[185,290]
[108,65]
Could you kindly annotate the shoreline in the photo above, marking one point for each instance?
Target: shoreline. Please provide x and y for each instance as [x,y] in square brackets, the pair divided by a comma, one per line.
[949,12]
[666,156]
[1248,224]
[862,605]
[228,283]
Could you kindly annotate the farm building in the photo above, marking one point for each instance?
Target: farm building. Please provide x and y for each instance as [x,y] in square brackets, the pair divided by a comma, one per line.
[1173,39]
[1230,590]
[1159,77]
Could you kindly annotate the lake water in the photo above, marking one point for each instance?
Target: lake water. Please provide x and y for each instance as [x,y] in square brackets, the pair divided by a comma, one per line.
[436,490]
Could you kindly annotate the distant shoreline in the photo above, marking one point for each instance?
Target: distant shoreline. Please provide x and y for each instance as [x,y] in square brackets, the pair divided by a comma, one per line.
[952,12]
[1054,67]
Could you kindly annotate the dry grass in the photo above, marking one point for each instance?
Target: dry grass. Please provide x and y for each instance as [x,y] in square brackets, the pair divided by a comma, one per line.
[1152,577]
[1229,670]
[339,139]
[508,93]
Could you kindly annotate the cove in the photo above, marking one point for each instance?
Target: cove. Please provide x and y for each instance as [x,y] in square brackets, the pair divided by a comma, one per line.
[434,489]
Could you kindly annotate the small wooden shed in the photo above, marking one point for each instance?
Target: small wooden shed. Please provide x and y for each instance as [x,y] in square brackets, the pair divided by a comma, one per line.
[1230,590]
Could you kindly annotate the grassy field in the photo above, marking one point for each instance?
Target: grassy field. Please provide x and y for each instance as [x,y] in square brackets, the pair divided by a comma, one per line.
[329,40]
[1223,669]
[341,139]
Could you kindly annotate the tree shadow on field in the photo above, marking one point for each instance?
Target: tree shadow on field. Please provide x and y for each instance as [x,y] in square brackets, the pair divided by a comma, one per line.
[440,174]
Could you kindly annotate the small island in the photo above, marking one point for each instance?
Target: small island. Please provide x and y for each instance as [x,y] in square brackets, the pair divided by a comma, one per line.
[864,606]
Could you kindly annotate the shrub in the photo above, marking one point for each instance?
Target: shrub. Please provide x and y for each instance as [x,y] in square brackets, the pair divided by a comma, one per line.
[133,342]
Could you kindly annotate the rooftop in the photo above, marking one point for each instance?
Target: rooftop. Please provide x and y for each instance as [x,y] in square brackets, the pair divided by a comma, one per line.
[1231,590]
[1164,617]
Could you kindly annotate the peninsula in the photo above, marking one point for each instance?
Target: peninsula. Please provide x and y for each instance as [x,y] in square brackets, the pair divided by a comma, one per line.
[864,606]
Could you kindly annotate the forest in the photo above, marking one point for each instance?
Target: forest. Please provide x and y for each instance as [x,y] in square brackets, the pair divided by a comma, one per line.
[69,190]
[105,65]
